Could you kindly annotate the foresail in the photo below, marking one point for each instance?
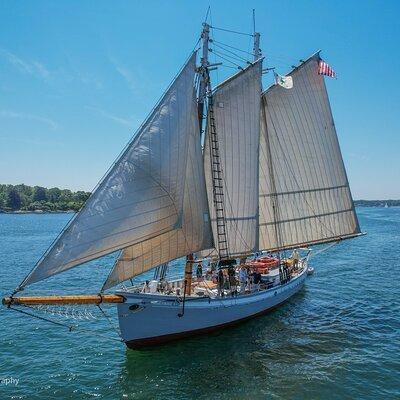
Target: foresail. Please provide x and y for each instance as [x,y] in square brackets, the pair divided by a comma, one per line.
[304,191]
[237,121]
[194,235]
[141,196]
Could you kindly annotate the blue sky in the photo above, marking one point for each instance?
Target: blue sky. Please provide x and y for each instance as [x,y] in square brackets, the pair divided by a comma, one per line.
[77,78]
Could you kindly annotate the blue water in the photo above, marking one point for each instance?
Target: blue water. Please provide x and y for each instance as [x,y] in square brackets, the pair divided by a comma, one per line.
[337,339]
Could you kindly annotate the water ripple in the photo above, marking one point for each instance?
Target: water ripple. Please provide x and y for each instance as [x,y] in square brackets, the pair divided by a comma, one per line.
[337,339]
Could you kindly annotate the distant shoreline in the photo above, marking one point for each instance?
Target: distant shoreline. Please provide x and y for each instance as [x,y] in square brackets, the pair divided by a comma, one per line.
[357,203]
[24,199]
[21,199]
[377,203]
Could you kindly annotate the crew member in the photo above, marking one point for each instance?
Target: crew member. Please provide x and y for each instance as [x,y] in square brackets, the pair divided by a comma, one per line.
[242,278]
[199,272]
[146,287]
[232,280]
[295,258]
[256,280]
[220,283]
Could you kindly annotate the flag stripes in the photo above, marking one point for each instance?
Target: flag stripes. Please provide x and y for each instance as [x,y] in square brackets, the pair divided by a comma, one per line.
[325,69]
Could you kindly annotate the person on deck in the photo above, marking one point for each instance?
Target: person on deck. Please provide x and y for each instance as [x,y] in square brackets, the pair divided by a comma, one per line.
[250,280]
[220,283]
[199,272]
[295,258]
[232,281]
[256,280]
[146,287]
[243,278]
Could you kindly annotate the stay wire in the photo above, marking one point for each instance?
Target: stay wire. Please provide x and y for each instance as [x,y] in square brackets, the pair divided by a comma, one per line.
[231,31]
[232,47]
[109,321]
[228,66]
[208,13]
[227,60]
[231,52]
[312,255]
[234,58]
[71,328]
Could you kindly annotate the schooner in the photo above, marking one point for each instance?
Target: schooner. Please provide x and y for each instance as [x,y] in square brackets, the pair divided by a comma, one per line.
[230,177]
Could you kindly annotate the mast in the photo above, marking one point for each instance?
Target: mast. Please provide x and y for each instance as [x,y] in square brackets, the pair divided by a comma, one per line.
[217,173]
[256,39]
[256,48]
[205,36]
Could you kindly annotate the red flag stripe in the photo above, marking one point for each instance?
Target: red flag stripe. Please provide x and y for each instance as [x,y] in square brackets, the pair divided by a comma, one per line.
[325,69]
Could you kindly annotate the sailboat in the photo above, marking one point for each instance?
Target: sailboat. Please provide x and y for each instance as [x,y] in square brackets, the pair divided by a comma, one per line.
[239,180]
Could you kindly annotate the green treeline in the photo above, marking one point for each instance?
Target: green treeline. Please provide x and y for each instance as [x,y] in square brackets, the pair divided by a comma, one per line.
[377,203]
[37,198]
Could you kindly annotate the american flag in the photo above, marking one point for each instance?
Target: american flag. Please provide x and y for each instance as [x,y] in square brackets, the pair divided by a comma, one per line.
[325,69]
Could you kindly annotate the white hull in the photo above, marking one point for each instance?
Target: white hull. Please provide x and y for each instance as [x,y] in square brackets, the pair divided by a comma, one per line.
[147,319]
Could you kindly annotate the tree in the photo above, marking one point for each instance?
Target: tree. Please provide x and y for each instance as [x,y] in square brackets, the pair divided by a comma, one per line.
[13,199]
[23,197]
[39,194]
[80,196]
[66,195]
[54,194]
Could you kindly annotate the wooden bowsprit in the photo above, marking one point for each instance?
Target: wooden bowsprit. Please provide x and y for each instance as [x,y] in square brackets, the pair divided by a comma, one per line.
[67,299]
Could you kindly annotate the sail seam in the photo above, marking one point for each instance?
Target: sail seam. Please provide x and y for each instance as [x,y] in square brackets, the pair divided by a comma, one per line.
[318,241]
[308,217]
[303,191]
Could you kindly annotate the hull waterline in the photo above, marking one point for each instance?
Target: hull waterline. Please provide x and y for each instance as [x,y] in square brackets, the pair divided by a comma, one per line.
[149,320]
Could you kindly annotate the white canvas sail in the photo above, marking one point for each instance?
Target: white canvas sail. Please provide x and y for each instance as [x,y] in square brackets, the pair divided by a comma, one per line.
[141,196]
[237,120]
[194,235]
[304,191]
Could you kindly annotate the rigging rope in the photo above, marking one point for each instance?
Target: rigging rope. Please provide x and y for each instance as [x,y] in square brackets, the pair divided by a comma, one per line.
[231,52]
[236,59]
[324,249]
[232,47]
[109,321]
[64,325]
[42,318]
[228,66]
[220,56]
[230,31]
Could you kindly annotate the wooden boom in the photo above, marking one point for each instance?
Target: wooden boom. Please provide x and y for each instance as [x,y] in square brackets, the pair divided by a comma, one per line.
[69,299]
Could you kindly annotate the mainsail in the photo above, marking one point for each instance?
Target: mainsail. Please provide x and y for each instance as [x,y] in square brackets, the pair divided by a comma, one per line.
[236,109]
[142,195]
[303,188]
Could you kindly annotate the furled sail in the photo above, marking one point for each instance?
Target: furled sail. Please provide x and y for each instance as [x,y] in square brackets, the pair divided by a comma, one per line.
[304,192]
[236,109]
[194,235]
[141,196]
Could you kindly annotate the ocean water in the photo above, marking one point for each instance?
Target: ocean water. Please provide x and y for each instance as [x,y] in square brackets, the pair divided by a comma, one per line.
[339,338]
